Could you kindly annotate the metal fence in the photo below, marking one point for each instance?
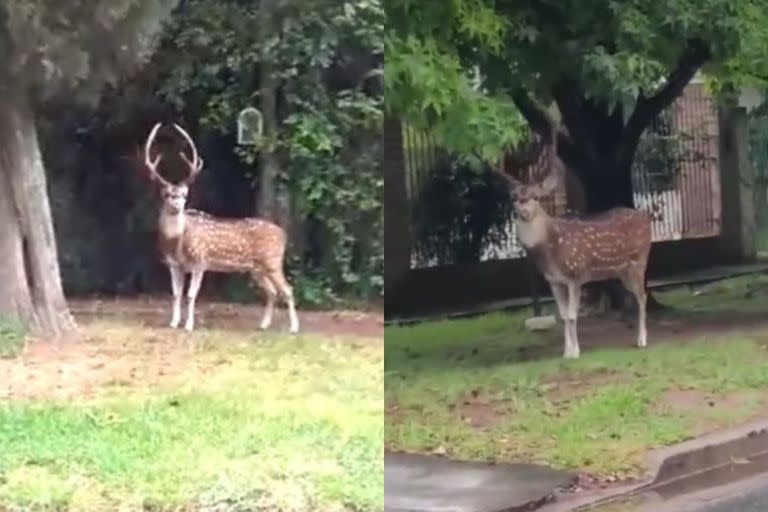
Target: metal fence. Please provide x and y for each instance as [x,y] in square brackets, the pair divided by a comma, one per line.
[674,176]
[758,152]
[421,154]
[675,173]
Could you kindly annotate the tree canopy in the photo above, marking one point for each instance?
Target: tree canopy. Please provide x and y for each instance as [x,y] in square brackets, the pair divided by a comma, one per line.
[610,66]
[79,45]
[312,68]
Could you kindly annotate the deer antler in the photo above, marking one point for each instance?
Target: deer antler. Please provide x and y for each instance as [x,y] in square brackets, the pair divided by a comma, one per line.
[196,163]
[149,162]
[513,182]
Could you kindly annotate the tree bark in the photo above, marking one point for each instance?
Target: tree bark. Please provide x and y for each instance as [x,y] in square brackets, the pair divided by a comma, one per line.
[269,168]
[31,289]
[274,200]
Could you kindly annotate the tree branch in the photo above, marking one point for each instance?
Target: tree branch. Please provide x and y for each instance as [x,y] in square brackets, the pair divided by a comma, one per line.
[540,122]
[572,109]
[647,108]
[535,115]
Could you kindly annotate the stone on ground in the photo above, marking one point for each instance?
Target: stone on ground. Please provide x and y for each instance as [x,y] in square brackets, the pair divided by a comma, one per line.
[540,323]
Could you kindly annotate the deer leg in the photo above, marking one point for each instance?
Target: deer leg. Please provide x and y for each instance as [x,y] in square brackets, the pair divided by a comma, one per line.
[281,284]
[574,297]
[194,288]
[634,282]
[560,294]
[269,307]
[177,287]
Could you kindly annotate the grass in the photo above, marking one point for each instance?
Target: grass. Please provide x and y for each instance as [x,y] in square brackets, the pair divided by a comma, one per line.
[12,336]
[464,387]
[277,423]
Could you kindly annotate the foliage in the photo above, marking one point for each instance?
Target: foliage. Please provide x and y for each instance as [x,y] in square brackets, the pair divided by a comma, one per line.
[458,212]
[428,87]
[610,66]
[323,56]
[660,153]
[78,45]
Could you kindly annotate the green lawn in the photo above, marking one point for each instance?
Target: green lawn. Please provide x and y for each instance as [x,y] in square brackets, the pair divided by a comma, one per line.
[12,337]
[461,387]
[257,423]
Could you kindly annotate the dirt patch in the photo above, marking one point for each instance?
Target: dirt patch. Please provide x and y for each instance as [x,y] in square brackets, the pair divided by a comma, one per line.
[609,331]
[142,352]
[479,410]
[568,385]
[393,413]
[692,399]
[94,365]
[480,414]
[155,312]
[712,410]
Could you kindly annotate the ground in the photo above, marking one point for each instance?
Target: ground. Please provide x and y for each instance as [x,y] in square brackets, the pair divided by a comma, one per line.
[485,389]
[131,414]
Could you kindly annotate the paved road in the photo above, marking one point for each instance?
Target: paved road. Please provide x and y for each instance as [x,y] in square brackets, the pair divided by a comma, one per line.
[748,500]
[749,495]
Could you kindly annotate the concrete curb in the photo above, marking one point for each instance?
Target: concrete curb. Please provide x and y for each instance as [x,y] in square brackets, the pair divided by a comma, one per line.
[675,465]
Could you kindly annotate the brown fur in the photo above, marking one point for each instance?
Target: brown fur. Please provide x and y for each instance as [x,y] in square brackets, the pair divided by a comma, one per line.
[573,250]
[596,247]
[227,245]
[194,242]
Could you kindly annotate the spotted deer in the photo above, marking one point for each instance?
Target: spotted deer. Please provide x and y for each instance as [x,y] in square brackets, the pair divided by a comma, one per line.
[194,242]
[570,251]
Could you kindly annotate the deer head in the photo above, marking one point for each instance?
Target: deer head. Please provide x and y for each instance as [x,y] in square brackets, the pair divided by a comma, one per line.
[527,195]
[174,196]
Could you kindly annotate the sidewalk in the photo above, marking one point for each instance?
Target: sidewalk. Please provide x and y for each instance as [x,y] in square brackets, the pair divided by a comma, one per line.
[420,483]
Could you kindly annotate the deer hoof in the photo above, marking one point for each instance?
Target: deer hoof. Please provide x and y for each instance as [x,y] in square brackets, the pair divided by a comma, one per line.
[173,325]
[571,354]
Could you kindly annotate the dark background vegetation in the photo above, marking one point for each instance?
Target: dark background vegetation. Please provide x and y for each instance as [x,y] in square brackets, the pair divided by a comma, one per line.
[322,68]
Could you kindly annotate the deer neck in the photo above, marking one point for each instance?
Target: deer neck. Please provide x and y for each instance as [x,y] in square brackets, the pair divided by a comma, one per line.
[172,225]
[533,233]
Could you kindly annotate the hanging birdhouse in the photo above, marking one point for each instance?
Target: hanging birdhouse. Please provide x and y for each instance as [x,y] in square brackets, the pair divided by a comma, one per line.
[250,125]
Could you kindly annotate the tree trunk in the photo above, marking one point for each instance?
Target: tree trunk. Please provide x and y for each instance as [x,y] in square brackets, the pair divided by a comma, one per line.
[269,167]
[607,188]
[31,289]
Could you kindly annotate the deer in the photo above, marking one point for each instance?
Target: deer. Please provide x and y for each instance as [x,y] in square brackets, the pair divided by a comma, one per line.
[575,249]
[194,242]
